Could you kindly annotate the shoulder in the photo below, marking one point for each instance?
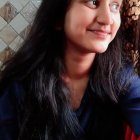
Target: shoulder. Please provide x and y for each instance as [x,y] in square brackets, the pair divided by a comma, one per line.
[11,98]
[132,81]
[130,101]
[128,75]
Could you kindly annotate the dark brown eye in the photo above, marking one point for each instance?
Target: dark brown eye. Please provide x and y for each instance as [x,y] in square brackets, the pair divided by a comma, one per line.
[92,3]
[115,7]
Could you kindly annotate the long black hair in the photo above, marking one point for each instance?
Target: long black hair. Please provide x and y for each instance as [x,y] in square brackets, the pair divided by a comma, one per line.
[39,66]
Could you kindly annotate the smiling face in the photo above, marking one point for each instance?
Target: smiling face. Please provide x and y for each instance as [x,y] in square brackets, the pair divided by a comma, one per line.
[90,25]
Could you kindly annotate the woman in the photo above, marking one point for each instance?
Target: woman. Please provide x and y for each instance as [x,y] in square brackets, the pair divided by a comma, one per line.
[69,80]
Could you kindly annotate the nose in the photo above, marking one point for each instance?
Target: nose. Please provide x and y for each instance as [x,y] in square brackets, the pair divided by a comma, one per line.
[104,16]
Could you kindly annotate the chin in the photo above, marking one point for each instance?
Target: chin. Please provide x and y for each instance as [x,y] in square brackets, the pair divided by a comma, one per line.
[101,49]
[99,46]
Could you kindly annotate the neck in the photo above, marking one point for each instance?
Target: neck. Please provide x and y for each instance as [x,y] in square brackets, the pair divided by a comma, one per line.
[78,67]
[78,64]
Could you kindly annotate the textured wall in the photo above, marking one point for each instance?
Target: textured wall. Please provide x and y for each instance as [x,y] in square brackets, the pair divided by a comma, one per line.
[15,19]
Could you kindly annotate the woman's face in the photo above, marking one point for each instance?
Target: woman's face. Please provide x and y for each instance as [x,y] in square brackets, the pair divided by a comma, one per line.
[90,25]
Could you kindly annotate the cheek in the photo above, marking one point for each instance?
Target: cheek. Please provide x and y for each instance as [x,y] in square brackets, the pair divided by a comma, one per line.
[115,27]
[70,21]
[78,20]
[75,25]
[117,23]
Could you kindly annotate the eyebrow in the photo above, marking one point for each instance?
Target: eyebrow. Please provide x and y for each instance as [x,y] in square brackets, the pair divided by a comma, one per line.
[120,1]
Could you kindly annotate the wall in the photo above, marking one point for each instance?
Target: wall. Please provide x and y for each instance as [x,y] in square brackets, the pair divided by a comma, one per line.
[15,19]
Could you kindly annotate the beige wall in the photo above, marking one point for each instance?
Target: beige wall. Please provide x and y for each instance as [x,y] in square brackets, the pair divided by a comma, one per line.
[15,19]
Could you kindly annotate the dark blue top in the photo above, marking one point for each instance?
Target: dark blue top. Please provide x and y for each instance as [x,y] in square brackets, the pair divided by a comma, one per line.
[12,96]
[130,104]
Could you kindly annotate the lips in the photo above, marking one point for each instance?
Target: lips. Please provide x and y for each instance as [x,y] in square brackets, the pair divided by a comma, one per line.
[100,33]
